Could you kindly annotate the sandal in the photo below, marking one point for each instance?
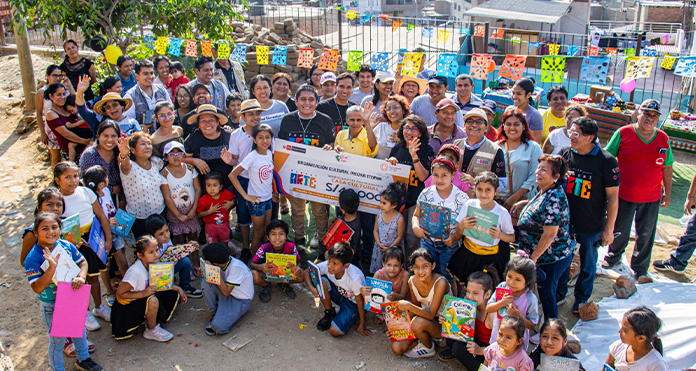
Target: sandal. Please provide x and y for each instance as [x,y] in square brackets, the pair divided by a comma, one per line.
[197,271]
[69,350]
[446,355]
[284,209]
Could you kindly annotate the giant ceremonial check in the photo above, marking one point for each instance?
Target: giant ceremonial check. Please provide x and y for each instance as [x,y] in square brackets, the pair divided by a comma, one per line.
[313,174]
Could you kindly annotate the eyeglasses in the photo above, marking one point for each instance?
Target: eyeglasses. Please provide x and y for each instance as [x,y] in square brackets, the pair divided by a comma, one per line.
[574,134]
[167,115]
[176,154]
[410,128]
[475,122]
[56,76]
[183,96]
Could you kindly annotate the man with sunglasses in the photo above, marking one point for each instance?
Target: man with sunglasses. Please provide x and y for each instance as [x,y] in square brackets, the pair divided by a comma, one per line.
[592,190]
[645,160]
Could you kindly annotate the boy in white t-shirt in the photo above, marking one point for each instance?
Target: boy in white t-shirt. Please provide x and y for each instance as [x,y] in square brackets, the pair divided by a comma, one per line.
[342,284]
[229,300]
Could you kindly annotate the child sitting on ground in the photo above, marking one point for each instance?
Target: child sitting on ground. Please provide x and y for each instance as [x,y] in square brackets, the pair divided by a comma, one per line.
[393,271]
[214,208]
[137,299]
[342,283]
[507,352]
[277,234]
[229,300]
[553,341]
[391,226]
[640,348]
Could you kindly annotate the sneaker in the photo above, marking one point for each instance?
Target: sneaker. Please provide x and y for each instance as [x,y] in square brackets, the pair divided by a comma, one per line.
[288,290]
[439,342]
[666,265]
[325,323]
[265,294]
[420,351]
[607,265]
[314,243]
[88,365]
[103,311]
[245,256]
[193,293]
[91,323]
[157,334]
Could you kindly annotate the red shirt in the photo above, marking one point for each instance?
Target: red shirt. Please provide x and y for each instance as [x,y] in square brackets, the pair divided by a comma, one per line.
[222,216]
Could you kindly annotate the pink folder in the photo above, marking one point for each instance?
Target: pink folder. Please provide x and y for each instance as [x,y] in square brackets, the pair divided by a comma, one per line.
[70,311]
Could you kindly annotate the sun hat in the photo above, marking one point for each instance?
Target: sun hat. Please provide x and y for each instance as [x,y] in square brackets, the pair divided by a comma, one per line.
[209,109]
[109,97]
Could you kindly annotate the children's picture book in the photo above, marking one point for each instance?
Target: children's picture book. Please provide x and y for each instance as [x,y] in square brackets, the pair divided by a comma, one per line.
[175,253]
[162,276]
[555,363]
[339,232]
[315,277]
[282,267]
[398,322]
[97,239]
[71,230]
[124,223]
[499,294]
[378,294]
[460,317]
[484,221]
[607,368]
[66,269]
[213,273]
[483,368]
[435,220]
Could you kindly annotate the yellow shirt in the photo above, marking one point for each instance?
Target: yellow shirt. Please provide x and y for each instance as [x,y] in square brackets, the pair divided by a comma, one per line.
[551,123]
[356,146]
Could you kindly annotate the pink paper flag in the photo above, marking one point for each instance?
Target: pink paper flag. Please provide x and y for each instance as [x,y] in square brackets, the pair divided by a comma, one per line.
[70,311]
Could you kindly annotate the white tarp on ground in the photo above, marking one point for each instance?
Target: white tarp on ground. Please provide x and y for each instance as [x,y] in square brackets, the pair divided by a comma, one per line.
[674,304]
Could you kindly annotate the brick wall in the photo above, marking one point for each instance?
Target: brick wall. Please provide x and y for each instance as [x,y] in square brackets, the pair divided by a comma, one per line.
[663,14]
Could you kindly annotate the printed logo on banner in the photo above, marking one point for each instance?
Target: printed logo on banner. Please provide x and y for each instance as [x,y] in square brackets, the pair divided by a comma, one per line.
[303,180]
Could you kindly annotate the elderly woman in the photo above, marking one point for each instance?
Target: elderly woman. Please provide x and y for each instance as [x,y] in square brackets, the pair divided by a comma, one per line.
[554,116]
[394,111]
[273,110]
[204,146]
[111,106]
[559,138]
[166,131]
[521,157]
[282,85]
[76,66]
[183,103]
[413,150]
[543,229]
[57,117]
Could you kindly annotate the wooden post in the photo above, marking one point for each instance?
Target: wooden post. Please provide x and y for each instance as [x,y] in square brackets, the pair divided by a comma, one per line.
[2,32]
[25,65]
[340,31]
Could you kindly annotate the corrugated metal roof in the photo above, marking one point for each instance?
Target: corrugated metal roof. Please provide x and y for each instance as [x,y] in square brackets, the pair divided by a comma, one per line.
[542,11]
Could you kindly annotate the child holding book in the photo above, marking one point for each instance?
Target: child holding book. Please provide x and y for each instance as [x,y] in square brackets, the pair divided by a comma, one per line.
[553,341]
[342,283]
[40,266]
[475,253]
[348,203]
[507,352]
[277,235]
[391,226]
[515,298]
[393,271]
[428,290]
[229,299]
[639,347]
[137,298]
[49,200]
[452,152]
[214,208]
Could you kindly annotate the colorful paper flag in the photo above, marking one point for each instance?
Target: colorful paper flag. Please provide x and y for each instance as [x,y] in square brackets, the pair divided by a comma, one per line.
[239,54]
[630,52]
[351,14]
[649,52]
[512,67]
[149,42]
[175,47]
[162,43]
[427,32]
[686,67]
[400,57]
[515,39]
[384,16]
[572,50]
[380,61]
[410,27]
[262,54]
[355,59]
[306,58]
[612,52]
[553,49]
[366,18]
[531,45]
[479,30]
[328,60]
[664,39]
[280,55]
[552,69]
[443,36]
[668,62]
[447,65]
[191,48]
[639,67]
[412,63]
[593,51]
[479,66]
[594,69]
[207,48]
[396,24]
[464,31]
[498,34]
[223,50]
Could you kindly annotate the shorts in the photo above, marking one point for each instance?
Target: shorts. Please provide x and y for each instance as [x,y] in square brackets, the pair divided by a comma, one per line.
[258,209]
[243,215]
[348,312]
[217,232]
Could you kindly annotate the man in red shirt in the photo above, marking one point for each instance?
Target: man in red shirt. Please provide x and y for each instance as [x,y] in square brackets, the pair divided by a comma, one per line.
[645,161]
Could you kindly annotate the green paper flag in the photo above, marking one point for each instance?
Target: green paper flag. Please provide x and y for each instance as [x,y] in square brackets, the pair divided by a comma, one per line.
[552,69]
[355,58]
[410,27]
[630,52]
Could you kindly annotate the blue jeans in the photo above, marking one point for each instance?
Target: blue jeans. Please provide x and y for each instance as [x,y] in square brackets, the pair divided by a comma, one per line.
[226,310]
[183,268]
[687,245]
[348,313]
[243,215]
[259,209]
[441,253]
[55,345]
[548,276]
[588,266]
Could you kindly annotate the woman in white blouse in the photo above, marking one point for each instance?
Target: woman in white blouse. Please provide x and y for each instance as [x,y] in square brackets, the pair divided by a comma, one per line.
[394,110]
[558,139]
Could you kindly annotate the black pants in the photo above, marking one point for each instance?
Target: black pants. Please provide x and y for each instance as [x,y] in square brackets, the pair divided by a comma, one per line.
[468,360]
[646,226]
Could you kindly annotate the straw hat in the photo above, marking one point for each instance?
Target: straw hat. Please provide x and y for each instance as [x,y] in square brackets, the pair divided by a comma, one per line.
[422,84]
[209,109]
[108,97]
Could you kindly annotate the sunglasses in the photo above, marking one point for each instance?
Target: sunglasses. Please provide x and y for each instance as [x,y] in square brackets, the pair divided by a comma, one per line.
[176,154]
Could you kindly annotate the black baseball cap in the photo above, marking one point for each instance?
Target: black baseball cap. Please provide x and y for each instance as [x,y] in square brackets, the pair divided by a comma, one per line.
[435,79]
[650,105]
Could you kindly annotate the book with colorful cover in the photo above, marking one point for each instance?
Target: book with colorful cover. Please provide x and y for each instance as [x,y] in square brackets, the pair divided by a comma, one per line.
[339,232]
[162,276]
[499,294]
[607,368]
[175,253]
[398,322]
[378,294]
[435,220]
[315,277]
[282,267]
[556,363]
[71,230]
[484,221]
[212,273]
[460,318]
[97,240]
[483,368]
[124,223]
[66,269]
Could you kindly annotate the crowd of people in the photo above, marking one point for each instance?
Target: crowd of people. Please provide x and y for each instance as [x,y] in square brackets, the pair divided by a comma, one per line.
[180,156]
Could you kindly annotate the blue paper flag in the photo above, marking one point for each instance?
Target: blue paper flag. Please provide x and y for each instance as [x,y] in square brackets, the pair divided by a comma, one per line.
[366,18]
[572,49]
[150,42]
[594,69]
[531,45]
[686,67]
[428,32]
[380,61]
[280,55]
[648,52]
[400,59]
[464,31]
[239,54]
[175,47]
[447,65]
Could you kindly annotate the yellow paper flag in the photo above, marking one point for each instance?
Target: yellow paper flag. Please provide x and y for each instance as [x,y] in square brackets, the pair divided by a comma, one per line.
[411,65]
[668,62]
[553,49]
[443,36]
[262,54]
[351,14]
[396,24]
[639,67]
[162,43]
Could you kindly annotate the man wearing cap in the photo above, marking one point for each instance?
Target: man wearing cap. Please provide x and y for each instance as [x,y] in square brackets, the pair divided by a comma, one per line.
[231,74]
[205,70]
[424,105]
[336,107]
[490,108]
[465,99]
[201,96]
[205,145]
[328,86]
[445,130]
[478,153]
[145,94]
[365,77]
[645,161]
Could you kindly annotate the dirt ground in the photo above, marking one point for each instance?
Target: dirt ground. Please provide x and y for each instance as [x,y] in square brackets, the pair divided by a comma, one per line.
[277,335]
